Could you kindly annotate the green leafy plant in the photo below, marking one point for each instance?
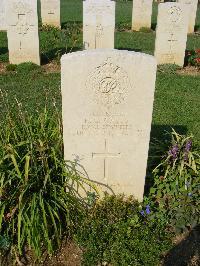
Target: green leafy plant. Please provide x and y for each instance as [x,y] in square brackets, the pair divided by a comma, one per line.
[55,42]
[28,67]
[146,30]
[11,67]
[177,184]
[39,200]
[193,58]
[117,231]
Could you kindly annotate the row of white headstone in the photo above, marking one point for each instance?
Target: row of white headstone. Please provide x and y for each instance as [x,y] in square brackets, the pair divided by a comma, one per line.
[50,12]
[141,12]
[98,29]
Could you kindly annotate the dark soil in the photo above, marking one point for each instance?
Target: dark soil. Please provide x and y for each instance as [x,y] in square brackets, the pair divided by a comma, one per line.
[186,251]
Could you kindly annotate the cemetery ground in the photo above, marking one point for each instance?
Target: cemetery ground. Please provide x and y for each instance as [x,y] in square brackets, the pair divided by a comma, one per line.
[31,95]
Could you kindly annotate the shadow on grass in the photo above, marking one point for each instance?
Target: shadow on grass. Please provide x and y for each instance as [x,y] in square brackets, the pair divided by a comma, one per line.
[187,252]
[153,26]
[128,49]
[3,50]
[160,140]
[69,24]
[197,28]
[56,53]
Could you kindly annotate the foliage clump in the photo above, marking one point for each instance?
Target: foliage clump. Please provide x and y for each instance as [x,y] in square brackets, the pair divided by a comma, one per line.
[118,231]
[38,202]
[193,58]
[176,192]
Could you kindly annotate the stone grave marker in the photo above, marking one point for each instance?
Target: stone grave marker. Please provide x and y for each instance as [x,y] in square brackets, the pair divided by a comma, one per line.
[171,33]
[50,12]
[107,113]
[141,14]
[192,7]
[2,15]
[23,40]
[98,24]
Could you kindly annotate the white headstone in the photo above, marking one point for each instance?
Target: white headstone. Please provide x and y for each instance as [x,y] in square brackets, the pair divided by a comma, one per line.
[98,24]
[192,7]
[2,15]
[23,40]
[171,33]
[141,15]
[107,102]
[50,12]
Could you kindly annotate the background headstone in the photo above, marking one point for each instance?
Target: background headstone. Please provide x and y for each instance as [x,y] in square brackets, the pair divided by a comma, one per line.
[107,113]
[141,14]
[50,12]
[192,7]
[2,15]
[98,24]
[23,40]
[171,33]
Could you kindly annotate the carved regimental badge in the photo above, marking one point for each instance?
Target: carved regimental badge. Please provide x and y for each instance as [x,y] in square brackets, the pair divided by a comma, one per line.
[110,84]
[175,14]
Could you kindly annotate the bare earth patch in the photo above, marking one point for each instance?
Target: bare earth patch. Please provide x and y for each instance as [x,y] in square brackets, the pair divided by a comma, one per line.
[186,251]
[189,70]
[3,68]
[51,67]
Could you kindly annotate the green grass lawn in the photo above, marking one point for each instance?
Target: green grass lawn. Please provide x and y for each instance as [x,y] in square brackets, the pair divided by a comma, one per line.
[177,97]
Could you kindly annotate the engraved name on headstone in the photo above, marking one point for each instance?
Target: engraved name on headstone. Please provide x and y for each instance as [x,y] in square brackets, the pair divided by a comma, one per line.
[107,120]
[98,24]
[171,33]
[23,40]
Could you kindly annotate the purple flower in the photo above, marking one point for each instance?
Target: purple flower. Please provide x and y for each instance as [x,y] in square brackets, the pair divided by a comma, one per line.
[142,213]
[189,194]
[148,209]
[188,145]
[174,151]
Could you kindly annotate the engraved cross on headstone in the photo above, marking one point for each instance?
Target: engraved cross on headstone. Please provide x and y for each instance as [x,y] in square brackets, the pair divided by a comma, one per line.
[105,155]
[172,40]
[22,26]
[51,12]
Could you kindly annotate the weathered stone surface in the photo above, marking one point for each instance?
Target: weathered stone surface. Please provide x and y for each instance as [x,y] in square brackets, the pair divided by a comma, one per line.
[50,12]
[171,33]
[2,15]
[98,24]
[192,7]
[141,15]
[23,41]
[107,103]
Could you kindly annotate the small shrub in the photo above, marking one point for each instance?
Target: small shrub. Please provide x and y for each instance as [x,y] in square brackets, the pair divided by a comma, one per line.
[146,30]
[116,231]
[11,67]
[177,184]
[27,67]
[193,58]
[123,26]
